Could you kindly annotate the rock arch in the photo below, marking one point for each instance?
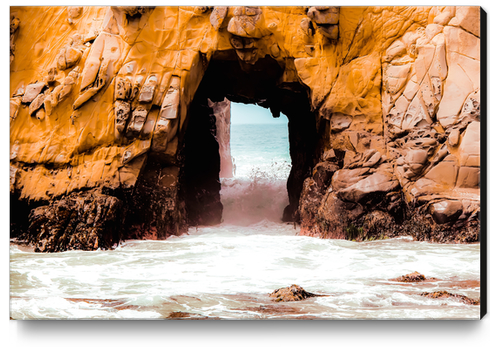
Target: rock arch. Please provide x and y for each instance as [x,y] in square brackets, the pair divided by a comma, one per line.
[99,115]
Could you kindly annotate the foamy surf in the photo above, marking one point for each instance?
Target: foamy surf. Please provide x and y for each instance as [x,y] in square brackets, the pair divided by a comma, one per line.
[219,272]
[227,271]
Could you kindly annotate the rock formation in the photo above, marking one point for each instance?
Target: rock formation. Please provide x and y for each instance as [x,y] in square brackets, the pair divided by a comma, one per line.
[445,295]
[291,293]
[413,277]
[110,117]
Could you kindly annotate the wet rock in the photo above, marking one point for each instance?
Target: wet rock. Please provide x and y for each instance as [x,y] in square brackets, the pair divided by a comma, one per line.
[188,316]
[292,293]
[412,277]
[80,221]
[377,224]
[445,295]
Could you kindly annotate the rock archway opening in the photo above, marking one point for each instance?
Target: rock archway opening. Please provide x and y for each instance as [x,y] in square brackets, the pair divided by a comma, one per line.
[206,176]
[260,161]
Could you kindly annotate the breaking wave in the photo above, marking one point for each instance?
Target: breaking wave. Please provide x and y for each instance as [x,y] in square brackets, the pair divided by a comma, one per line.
[262,195]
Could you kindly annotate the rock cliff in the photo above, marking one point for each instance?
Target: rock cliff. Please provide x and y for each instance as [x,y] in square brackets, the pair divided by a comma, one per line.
[113,126]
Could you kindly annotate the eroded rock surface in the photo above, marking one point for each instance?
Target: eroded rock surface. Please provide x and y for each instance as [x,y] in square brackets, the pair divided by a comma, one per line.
[84,221]
[426,186]
[383,106]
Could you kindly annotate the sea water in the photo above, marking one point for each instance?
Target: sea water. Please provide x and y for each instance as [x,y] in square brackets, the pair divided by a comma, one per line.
[227,271]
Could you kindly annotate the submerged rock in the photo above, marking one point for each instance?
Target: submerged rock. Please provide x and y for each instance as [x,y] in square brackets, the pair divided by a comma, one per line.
[445,295]
[292,293]
[413,277]
[186,315]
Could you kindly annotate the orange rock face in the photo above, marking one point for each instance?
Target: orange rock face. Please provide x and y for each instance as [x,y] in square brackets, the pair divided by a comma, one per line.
[102,97]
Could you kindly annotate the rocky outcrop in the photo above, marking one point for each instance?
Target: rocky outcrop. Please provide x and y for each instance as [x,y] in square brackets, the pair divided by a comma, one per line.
[78,222]
[413,277]
[445,295]
[292,293]
[421,181]
[383,106]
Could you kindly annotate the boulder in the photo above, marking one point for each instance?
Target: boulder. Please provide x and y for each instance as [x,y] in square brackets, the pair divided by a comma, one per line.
[412,277]
[377,183]
[446,211]
[292,293]
[345,178]
[446,295]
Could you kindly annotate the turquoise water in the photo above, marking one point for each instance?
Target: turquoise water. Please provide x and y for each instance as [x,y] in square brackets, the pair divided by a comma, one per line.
[262,147]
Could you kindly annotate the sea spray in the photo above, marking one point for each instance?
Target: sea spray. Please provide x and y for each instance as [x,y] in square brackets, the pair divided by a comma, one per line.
[262,164]
[260,196]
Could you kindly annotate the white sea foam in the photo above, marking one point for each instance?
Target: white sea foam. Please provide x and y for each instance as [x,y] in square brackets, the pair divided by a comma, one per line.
[227,270]
[218,262]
